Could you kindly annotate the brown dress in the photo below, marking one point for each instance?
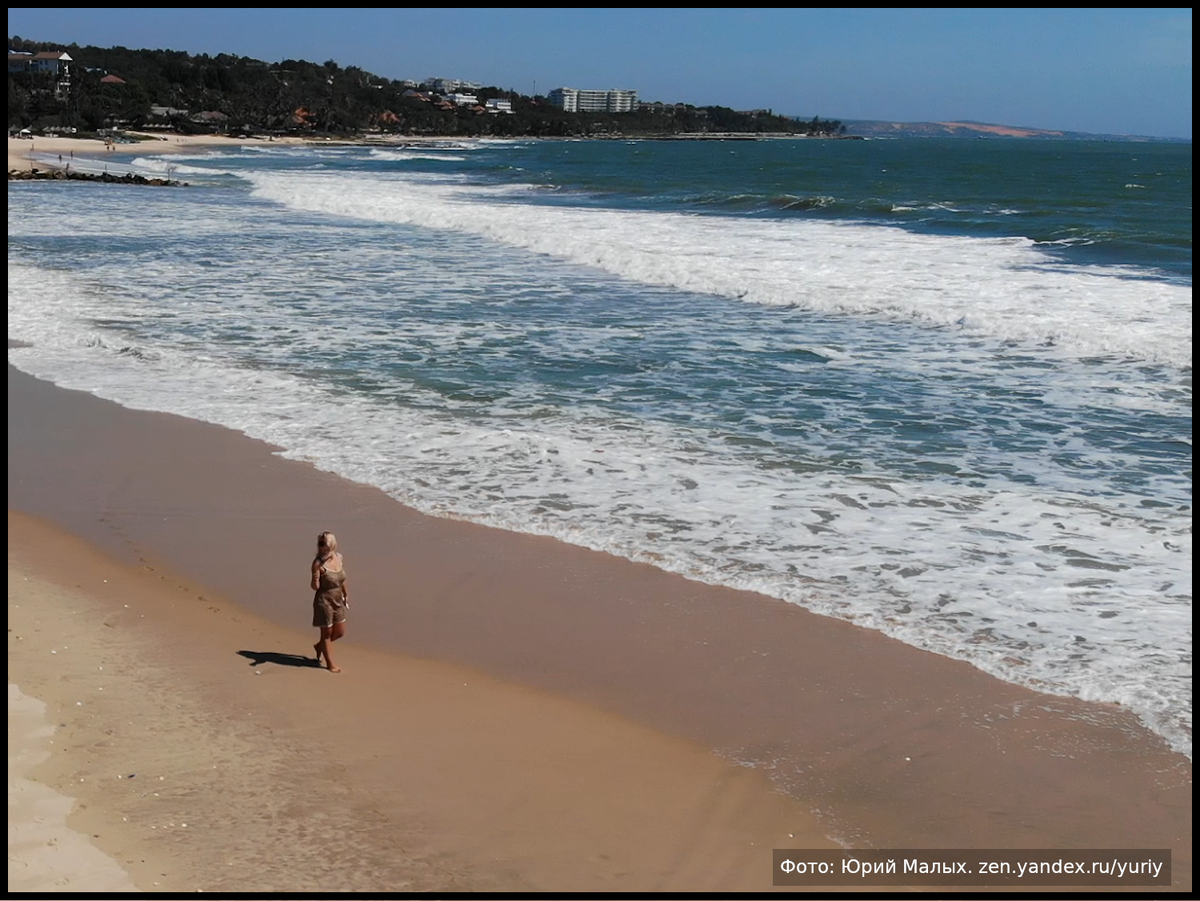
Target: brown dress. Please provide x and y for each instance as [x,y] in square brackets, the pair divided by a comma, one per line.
[329,606]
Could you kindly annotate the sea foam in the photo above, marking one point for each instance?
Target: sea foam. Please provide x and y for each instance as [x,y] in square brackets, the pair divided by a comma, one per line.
[1002,288]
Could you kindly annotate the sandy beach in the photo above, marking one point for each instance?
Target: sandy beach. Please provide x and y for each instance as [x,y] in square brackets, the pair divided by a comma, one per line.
[515,713]
[41,151]
[197,766]
[20,150]
[43,853]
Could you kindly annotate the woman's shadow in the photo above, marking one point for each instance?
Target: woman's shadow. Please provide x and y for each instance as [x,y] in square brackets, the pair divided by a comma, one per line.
[258,658]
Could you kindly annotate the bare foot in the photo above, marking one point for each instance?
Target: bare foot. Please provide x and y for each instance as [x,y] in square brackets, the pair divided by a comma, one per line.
[335,669]
[317,649]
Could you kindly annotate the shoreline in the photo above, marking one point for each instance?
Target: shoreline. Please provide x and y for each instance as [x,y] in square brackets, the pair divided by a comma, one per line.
[893,747]
[21,150]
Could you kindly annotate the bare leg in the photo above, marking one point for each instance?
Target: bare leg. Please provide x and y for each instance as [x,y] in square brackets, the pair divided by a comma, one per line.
[329,634]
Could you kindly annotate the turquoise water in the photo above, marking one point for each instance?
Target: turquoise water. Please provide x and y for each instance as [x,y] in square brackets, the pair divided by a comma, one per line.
[937,388]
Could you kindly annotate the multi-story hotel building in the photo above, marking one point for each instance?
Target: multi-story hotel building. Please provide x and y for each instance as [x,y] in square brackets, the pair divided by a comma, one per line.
[574,100]
[451,85]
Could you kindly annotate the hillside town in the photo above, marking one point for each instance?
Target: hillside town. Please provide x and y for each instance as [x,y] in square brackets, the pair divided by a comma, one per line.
[106,90]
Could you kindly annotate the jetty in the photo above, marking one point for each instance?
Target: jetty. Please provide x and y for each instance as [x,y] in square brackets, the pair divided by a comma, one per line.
[129,178]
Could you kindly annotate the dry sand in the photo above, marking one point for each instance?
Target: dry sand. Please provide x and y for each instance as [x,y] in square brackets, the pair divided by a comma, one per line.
[43,854]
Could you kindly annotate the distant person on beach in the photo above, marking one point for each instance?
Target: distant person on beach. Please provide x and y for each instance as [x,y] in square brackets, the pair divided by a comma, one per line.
[331,601]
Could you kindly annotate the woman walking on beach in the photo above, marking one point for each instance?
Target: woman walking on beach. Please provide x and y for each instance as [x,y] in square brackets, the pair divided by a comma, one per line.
[331,601]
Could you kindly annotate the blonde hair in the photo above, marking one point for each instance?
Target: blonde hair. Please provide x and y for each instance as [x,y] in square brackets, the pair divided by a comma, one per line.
[330,541]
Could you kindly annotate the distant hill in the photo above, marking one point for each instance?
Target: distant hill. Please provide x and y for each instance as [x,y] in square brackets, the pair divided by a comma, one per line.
[872,128]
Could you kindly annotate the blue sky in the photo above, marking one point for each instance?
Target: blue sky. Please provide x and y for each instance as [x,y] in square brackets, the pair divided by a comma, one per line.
[1122,71]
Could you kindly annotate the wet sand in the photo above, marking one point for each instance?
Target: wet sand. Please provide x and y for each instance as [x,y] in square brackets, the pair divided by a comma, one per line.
[887,746]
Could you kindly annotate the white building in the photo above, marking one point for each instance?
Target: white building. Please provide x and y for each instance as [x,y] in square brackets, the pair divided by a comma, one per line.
[499,106]
[462,99]
[573,100]
[450,85]
[54,62]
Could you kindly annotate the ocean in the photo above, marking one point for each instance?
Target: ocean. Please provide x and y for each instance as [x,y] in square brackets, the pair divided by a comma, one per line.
[937,388]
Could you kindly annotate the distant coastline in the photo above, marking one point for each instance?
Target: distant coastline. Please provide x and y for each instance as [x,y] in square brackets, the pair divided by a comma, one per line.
[879,128]
[34,160]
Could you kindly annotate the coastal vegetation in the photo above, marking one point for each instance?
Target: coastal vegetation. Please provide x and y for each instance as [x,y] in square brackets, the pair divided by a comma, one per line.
[116,87]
